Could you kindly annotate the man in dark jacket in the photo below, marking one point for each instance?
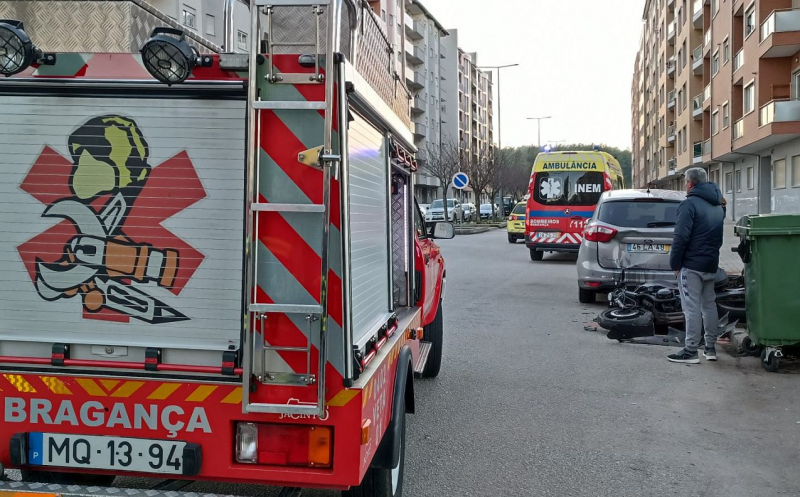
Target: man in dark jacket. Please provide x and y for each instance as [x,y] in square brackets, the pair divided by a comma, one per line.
[694,257]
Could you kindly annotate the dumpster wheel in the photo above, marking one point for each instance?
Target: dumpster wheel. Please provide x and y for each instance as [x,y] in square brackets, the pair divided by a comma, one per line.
[771,359]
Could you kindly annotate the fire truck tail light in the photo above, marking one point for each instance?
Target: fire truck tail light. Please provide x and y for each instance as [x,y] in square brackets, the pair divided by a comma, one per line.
[284,445]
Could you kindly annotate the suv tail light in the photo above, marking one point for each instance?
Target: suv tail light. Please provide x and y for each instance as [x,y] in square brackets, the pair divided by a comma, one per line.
[599,233]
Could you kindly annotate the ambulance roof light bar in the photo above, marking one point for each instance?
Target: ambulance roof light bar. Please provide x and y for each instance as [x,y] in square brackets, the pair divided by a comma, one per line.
[169,58]
[17,51]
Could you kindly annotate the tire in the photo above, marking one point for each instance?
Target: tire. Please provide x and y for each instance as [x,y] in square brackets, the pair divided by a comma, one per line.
[512,239]
[750,348]
[380,482]
[770,361]
[637,316]
[536,255]
[586,296]
[434,334]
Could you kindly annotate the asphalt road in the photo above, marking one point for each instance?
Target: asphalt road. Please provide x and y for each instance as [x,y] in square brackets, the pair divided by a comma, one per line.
[529,403]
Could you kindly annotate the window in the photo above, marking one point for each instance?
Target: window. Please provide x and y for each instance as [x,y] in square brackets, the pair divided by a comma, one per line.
[795,171]
[750,177]
[189,17]
[383,15]
[715,122]
[749,98]
[715,63]
[726,115]
[714,7]
[726,51]
[750,22]
[241,40]
[779,174]
[638,214]
[728,182]
[738,180]
[211,28]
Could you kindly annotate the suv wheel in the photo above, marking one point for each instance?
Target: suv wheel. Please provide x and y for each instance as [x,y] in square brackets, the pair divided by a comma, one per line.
[586,296]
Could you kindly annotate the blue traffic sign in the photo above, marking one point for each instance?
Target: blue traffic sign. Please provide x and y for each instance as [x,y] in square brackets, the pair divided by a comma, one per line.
[460,181]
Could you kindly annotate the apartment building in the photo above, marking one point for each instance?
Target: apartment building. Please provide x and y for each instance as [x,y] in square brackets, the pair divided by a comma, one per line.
[425,54]
[205,18]
[734,68]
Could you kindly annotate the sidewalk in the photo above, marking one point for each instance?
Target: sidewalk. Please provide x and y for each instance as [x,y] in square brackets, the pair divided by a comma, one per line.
[730,261]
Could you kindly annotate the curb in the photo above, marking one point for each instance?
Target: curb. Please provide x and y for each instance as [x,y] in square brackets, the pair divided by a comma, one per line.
[472,231]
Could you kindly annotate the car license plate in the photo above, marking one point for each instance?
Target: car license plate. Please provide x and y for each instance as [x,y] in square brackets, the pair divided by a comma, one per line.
[648,247]
[548,235]
[110,453]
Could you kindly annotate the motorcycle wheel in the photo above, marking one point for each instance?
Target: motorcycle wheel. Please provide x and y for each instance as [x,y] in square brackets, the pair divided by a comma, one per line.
[635,316]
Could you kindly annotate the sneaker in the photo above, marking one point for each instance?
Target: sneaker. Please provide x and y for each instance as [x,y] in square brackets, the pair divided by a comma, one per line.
[710,353]
[684,356]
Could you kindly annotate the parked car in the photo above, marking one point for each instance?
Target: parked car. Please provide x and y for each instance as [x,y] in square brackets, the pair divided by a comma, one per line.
[631,233]
[435,212]
[424,208]
[508,205]
[488,211]
[469,212]
[516,223]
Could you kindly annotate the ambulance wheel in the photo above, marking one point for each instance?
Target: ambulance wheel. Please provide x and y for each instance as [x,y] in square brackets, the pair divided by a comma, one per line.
[434,334]
[67,478]
[379,482]
[512,239]
[536,255]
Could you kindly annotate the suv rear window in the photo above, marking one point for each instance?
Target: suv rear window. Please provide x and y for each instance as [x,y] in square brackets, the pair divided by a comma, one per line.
[519,209]
[638,214]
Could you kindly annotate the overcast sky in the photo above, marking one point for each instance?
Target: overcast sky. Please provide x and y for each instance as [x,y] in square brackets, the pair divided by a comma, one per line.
[576,61]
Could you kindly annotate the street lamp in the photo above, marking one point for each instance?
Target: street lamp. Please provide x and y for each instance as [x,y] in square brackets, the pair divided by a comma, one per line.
[539,128]
[499,138]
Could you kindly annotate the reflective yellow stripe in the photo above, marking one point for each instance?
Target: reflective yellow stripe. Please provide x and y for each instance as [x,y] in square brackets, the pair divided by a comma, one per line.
[20,383]
[109,384]
[55,385]
[127,389]
[164,391]
[91,387]
[342,398]
[235,397]
[201,393]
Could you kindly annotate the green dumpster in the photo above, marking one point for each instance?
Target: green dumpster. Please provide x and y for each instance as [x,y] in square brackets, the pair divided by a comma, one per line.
[770,249]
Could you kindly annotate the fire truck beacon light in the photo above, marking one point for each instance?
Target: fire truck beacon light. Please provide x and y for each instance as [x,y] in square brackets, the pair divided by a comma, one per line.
[169,58]
[17,52]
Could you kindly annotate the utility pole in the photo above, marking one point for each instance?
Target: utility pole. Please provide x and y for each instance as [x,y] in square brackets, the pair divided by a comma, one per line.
[539,129]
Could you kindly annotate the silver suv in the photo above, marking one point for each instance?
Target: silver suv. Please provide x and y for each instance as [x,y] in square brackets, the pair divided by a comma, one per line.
[628,236]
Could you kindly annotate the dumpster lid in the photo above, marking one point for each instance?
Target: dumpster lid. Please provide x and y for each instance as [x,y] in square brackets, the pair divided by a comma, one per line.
[768,224]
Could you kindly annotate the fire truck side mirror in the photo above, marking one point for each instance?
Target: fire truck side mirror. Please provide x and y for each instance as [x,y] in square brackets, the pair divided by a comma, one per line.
[444,231]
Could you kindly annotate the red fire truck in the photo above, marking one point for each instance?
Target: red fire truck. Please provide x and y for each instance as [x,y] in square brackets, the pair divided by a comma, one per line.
[214,268]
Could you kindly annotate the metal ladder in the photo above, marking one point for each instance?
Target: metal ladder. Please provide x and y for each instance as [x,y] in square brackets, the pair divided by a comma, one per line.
[322,158]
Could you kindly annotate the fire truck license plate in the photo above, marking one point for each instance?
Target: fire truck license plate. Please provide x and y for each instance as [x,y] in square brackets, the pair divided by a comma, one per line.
[109,453]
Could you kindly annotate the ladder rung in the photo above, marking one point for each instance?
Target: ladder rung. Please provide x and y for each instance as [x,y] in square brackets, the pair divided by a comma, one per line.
[293,44]
[288,105]
[286,308]
[292,3]
[283,409]
[311,208]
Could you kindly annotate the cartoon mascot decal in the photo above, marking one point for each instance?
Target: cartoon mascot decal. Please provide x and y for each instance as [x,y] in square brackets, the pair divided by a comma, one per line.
[101,264]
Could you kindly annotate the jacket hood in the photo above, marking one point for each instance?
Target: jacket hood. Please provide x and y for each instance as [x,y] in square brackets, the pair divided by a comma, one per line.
[708,191]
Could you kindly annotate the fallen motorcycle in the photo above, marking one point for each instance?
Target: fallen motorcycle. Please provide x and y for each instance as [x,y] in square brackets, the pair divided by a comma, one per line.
[643,310]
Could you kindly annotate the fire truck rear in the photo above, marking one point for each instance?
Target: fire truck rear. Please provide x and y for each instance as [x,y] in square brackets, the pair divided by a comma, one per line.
[213,265]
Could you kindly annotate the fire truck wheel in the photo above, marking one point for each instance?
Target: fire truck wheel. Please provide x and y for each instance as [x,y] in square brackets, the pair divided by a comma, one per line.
[536,255]
[380,482]
[67,478]
[434,333]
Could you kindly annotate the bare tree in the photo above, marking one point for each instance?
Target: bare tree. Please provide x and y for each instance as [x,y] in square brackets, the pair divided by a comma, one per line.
[443,163]
[483,173]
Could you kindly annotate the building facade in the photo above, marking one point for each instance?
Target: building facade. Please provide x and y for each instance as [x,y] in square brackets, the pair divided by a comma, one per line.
[205,18]
[731,76]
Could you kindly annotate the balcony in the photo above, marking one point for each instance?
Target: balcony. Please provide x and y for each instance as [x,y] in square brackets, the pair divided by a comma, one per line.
[780,33]
[414,55]
[671,100]
[442,51]
[707,43]
[697,153]
[672,166]
[413,29]
[418,106]
[697,107]
[738,60]
[697,13]
[415,80]
[707,148]
[707,97]
[671,135]
[671,33]
[780,111]
[697,60]
[738,129]
[671,67]
[420,130]
[671,5]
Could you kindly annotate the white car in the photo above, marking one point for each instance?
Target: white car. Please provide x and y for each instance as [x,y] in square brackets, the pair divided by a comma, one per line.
[424,208]
[469,212]
[488,211]
[435,212]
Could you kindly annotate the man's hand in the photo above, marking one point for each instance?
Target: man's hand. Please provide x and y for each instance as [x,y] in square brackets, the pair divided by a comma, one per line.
[677,274]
